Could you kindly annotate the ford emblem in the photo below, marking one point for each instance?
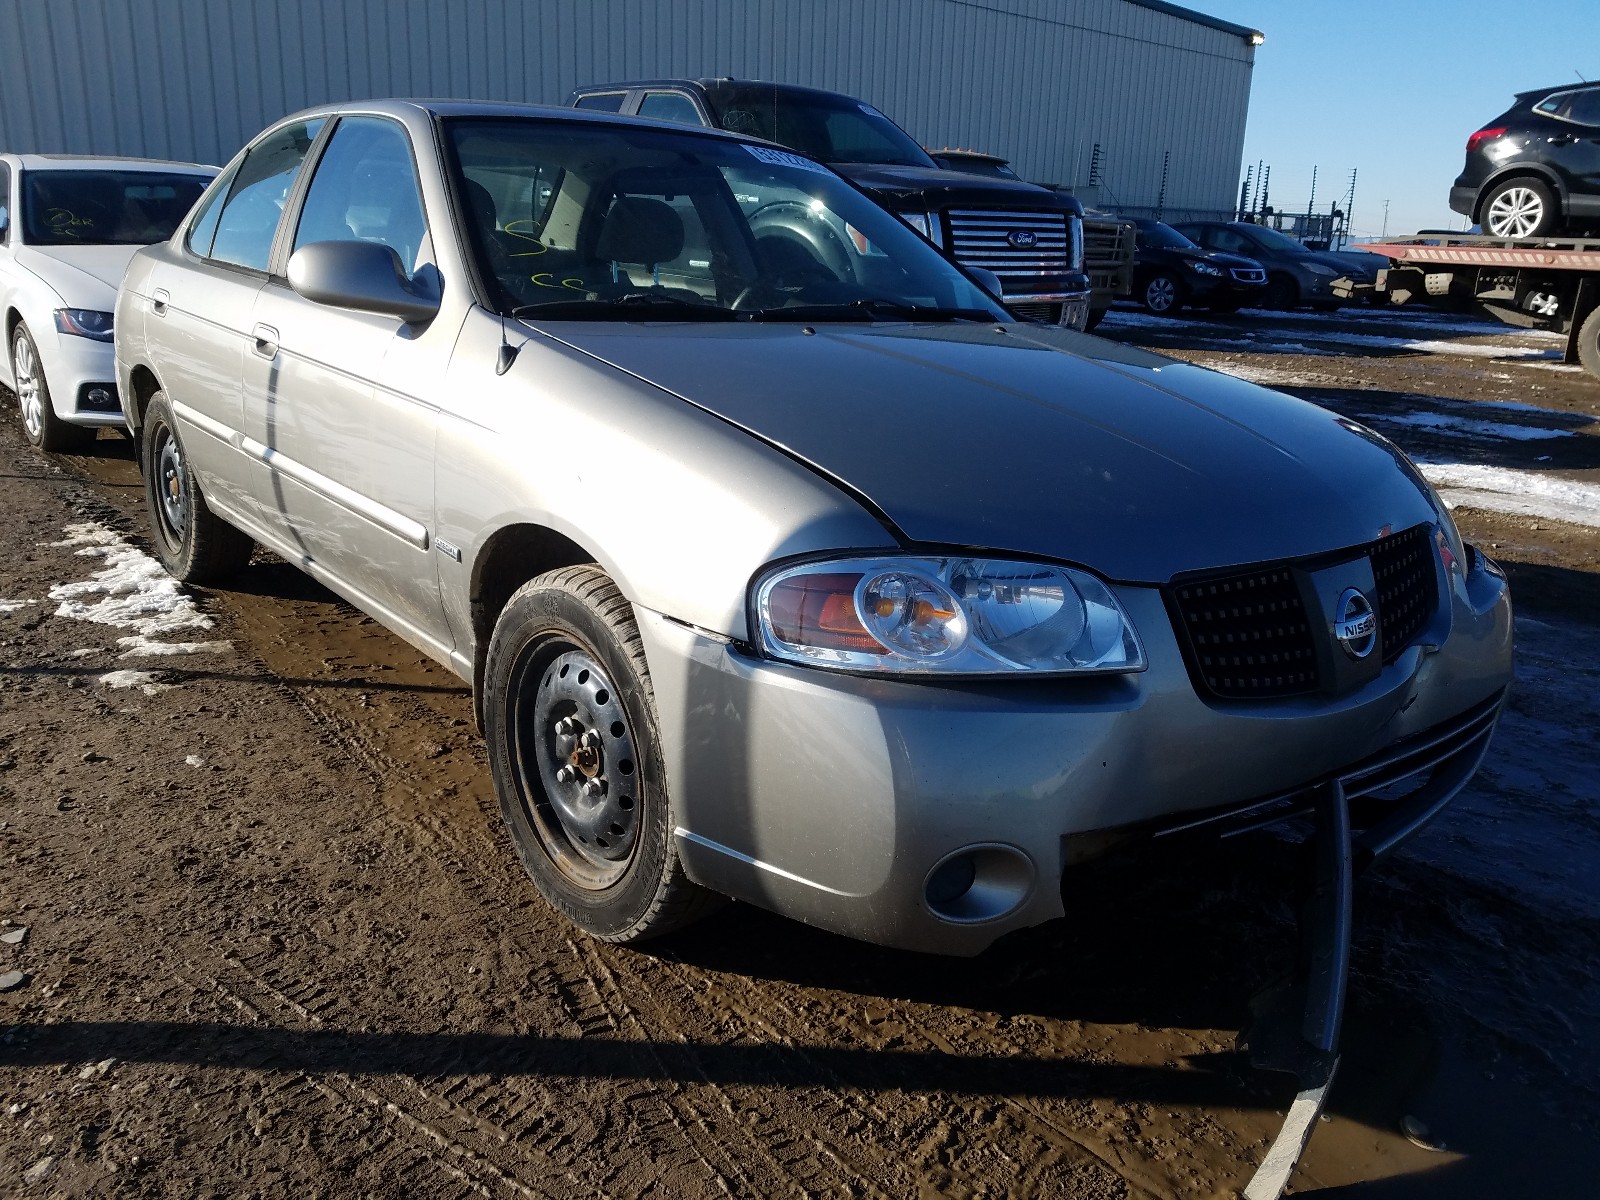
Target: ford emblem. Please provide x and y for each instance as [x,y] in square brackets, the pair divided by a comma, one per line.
[1356,625]
[1022,238]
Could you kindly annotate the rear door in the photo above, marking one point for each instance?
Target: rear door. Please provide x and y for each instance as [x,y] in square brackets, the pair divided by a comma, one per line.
[343,414]
[200,313]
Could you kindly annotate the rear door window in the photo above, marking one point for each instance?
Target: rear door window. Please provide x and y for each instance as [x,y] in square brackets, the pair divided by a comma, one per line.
[670,106]
[1585,107]
[249,218]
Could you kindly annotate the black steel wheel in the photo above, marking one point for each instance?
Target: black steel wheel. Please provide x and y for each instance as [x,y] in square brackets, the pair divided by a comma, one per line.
[1162,294]
[1281,292]
[1520,208]
[193,543]
[569,716]
[40,425]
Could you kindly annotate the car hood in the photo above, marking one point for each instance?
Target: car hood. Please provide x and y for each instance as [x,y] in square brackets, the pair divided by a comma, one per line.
[83,276]
[1218,257]
[940,189]
[1037,441]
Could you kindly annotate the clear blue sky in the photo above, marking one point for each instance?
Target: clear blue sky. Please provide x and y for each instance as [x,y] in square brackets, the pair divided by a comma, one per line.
[1393,89]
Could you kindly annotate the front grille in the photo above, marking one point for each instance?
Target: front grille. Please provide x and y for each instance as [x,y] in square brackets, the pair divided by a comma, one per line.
[1050,314]
[1249,274]
[1402,565]
[981,239]
[1248,634]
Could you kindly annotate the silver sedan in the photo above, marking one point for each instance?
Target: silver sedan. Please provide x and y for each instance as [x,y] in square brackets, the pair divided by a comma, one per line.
[784,563]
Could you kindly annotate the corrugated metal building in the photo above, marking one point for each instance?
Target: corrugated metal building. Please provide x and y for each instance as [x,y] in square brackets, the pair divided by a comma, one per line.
[1162,91]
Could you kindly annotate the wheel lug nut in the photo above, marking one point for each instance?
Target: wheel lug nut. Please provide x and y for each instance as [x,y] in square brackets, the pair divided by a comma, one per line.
[590,739]
[566,725]
[594,787]
[566,775]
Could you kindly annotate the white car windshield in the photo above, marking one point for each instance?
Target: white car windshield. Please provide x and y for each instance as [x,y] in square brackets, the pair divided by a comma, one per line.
[105,207]
[572,220]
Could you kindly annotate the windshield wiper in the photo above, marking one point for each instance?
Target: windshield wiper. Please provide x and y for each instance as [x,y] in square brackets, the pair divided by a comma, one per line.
[869,309]
[646,305]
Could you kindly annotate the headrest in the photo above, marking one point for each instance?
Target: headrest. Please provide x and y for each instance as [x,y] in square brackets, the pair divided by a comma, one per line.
[482,205]
[640,230]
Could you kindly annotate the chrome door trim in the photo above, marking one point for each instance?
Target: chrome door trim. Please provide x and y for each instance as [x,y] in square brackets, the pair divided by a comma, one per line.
[384,518]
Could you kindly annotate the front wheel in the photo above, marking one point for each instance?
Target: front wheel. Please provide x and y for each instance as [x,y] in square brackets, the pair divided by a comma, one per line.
[1162,295]
[193,543]
[1520,208]
[40,425]
[1589,343]
[574,747]
[1280,292]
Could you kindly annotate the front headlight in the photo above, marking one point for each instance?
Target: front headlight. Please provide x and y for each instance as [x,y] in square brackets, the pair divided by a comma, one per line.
[84,322]
[1324,271]
[927,224]
[1204,268]
[947,616]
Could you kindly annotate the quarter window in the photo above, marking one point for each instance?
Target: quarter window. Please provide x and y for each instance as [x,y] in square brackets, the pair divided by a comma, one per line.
[249,218]
[365,189]
[1585,107]
[601,101]
[670,106]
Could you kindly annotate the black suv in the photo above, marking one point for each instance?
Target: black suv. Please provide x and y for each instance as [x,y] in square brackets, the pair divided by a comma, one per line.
[1030,237]
[1535,169]
[1170,271]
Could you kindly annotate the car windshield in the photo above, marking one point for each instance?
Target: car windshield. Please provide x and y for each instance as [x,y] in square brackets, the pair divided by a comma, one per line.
[1271,239]
[836,129]
[1158,233]
[572,220]
[105,207]
[990,168]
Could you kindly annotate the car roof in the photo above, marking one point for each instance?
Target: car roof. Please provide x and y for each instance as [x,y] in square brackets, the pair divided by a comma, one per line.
[102,162]
[714,84]
[401,108]
[1555,89]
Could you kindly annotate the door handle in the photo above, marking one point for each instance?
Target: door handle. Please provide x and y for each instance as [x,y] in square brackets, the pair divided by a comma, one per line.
[1565,139]
[159,300]
[266,341]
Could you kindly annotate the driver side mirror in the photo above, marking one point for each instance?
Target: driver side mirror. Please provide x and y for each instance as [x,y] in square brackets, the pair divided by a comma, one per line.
[365,276]
[988,281]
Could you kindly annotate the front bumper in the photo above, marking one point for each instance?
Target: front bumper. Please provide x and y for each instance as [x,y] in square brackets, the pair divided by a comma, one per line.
[834,798]
[76,369]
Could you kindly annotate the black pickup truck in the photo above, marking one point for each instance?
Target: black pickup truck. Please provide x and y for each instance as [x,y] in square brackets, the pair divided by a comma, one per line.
[1028,236]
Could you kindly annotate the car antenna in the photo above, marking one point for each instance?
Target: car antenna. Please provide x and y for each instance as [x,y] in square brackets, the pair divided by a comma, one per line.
[508,352]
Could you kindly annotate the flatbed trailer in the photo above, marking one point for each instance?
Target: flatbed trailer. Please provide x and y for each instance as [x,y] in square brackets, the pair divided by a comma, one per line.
[1534,283]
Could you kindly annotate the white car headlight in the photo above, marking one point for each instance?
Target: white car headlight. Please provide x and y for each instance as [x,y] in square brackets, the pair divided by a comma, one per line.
[947,616]
[1205,268]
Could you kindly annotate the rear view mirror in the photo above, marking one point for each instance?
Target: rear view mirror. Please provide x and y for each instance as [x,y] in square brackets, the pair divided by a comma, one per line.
[988,281]
[365,276]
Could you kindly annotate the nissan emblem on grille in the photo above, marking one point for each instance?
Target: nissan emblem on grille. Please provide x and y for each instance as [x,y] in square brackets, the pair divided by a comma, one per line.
[1356,626]
[1022,238]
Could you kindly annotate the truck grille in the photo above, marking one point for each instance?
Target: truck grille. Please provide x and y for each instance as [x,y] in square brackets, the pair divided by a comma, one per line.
[1248,274]
[1248,635]
[983,239]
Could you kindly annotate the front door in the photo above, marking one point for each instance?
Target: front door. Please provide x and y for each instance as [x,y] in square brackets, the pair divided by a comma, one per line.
[348,435]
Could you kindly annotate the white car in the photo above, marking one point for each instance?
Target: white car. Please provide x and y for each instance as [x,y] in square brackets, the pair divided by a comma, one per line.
[68,226]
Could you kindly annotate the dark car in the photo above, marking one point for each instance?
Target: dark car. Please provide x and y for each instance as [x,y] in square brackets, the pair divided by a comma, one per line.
[1295,275]
[1535,169]
[1170,271]
[1030,237]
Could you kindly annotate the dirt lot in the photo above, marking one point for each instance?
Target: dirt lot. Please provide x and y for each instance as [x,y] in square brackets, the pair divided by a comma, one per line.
[273,941]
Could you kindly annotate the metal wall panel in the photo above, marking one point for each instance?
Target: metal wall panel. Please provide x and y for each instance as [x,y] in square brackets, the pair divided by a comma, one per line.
[1039,81]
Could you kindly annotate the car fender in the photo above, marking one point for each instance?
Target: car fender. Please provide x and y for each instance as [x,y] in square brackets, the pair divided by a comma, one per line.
[1541,171]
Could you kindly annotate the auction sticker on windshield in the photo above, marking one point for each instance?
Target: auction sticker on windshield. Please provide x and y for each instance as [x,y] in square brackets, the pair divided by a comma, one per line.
[782,158]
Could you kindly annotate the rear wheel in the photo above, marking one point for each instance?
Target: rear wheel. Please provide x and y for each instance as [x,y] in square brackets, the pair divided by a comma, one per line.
[1520,208]
[1589,343]
[40,425]
[193,543]
[569,716]
[1162,294]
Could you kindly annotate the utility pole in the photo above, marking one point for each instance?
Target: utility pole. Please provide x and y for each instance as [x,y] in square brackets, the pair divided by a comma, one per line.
[1244,193]
[1311,204]
[1349,209]
[1385,232]
[1266,178]
[1161,200]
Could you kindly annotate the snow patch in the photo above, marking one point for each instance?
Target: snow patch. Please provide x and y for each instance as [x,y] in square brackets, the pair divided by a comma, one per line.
[130,591]
[138,646]
[145,681]
[7,606]
[1522,493]
[1445,423]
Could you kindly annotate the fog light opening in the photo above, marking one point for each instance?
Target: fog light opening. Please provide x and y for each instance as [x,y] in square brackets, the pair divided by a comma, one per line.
[978,883]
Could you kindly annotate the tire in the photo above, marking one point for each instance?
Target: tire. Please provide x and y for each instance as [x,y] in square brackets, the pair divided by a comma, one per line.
[40,425]
[1162,295]
[1096,315]
[568,705]
[1280,292]
[193,543]
[1520,208]
[1589,343]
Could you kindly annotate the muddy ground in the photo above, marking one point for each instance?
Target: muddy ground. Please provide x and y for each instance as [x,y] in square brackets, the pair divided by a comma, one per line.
[276,942]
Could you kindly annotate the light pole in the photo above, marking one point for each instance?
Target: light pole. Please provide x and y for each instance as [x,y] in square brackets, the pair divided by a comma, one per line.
[1385,232]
